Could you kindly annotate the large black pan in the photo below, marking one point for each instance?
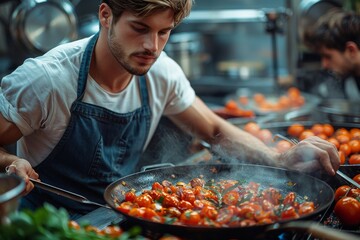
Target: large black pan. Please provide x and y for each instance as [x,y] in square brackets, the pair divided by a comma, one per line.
[316,190]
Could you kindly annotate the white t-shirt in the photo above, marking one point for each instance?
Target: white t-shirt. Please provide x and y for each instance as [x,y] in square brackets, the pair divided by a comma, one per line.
[38,95]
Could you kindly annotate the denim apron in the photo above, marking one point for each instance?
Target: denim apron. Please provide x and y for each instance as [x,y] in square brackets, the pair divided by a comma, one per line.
[98,147]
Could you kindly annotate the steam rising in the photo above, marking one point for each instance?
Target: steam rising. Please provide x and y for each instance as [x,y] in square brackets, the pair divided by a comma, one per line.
[168,145]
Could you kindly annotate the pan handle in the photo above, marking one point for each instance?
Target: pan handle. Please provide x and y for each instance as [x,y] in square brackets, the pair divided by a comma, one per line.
[155,166]
[65,193]
[315,229]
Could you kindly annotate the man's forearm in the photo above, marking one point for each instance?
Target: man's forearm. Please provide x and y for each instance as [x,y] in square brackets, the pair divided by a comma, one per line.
[6,159]
[233,143]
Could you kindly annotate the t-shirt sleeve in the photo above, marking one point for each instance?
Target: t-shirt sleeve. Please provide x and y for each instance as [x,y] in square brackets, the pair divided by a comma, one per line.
[22,97]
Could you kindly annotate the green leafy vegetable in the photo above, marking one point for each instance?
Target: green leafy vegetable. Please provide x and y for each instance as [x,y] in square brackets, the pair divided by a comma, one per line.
[50,223]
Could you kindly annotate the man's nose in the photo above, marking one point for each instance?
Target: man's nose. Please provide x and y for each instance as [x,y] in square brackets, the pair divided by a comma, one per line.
[151,42]
[324,63]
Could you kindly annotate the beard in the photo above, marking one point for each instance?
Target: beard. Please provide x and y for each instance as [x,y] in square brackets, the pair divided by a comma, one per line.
[120,55]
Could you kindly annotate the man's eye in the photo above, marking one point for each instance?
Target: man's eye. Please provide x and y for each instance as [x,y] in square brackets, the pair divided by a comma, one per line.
[162,33]
[140,30]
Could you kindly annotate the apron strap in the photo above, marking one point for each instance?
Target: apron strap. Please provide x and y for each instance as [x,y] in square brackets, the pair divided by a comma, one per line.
[85,65]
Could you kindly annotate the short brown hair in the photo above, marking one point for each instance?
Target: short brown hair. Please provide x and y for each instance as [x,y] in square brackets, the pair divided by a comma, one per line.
[333,31]
[144,8]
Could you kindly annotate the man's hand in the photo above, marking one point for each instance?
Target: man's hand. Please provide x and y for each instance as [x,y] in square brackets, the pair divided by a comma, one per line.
[23,169]
[312,154]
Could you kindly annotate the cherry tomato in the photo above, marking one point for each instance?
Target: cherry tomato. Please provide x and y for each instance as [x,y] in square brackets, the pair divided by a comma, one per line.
[170,201]
[293,93]
[263,216]
[137,212]
[155,194]
[173,212]
[130,196]
[151,215]
[188,195]
[306,208]
[73,224]
[231,105]
[289,198]
[289,212]
[190,217]
[295,129]
[342,138]
[317,128]
[231,198]
[157,186]
[356,178]
[354,159]
[272,195]
[355,133]
[224,215]
[144,200]
[249,210]
[345,147]
[354,145]
[347,209]
[91,228]
[342,131]
[125,207]
[185,205]
[305,134]
[341,192]
[112,231]
[328,129]
[209,212]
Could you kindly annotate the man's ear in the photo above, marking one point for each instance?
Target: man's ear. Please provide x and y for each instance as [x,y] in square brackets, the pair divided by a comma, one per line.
[105,15]
[351,47]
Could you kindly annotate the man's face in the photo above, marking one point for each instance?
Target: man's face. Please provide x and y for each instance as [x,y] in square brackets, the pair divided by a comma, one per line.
[336,61]
[136,43]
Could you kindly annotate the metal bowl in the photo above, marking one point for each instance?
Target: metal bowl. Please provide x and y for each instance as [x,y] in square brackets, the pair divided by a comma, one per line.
[11,187]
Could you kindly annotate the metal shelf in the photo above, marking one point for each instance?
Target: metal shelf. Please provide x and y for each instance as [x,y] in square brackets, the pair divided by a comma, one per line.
[226,16]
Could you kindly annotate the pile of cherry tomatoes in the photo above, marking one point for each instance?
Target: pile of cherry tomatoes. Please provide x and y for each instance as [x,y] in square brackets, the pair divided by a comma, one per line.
[347,141]
[223,203]
[291,99]
[347,204]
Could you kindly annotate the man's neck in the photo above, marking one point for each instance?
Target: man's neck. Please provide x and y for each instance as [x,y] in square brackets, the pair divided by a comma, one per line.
[106,71]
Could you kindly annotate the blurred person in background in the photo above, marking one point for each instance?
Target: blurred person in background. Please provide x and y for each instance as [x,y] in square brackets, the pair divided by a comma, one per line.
[336,37]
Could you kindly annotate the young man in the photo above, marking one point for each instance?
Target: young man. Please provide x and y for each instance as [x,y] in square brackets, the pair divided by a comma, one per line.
[85,111]
[335,36]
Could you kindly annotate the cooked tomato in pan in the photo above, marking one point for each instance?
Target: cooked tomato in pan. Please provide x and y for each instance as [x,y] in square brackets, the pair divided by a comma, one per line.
[222,203]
